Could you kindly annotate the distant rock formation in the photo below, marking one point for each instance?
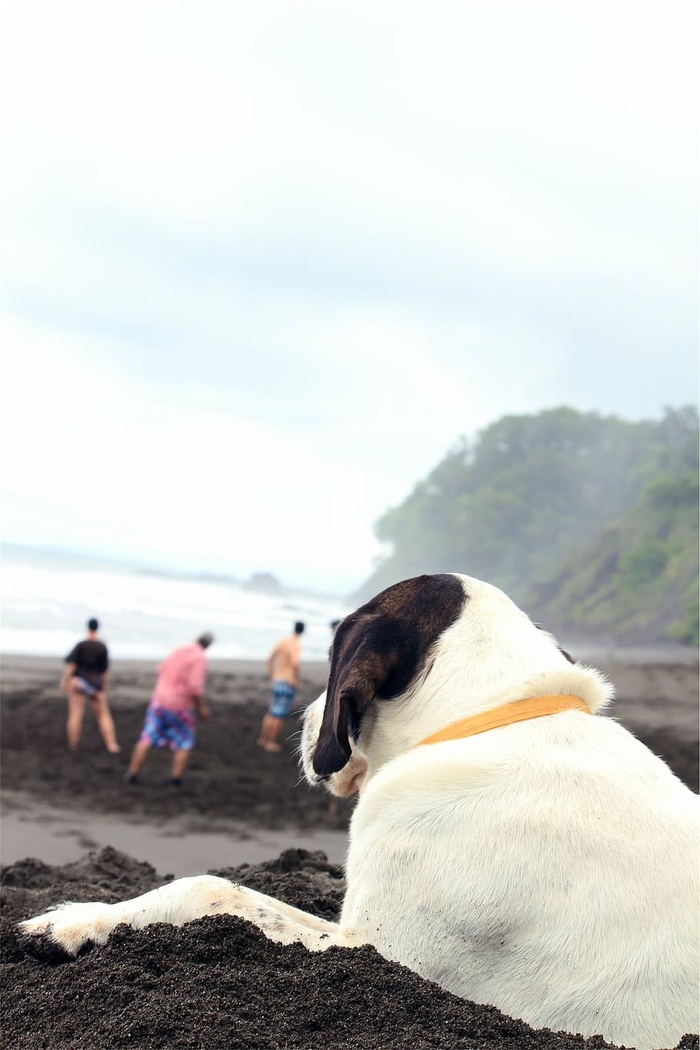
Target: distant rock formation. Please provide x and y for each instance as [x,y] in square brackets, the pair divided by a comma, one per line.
[263,583]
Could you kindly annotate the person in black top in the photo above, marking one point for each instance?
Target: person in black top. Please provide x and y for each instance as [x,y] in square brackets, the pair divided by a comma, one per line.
[86,675]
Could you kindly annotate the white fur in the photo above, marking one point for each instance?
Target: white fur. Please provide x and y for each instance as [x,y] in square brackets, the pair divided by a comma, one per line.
[549,868]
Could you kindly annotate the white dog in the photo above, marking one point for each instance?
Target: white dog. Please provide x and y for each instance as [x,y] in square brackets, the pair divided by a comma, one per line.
[509,843]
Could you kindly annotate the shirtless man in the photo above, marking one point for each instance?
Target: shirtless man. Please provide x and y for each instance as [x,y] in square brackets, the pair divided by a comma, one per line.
[283,668]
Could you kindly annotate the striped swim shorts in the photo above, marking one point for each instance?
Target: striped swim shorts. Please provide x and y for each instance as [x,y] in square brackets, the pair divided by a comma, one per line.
[282,698]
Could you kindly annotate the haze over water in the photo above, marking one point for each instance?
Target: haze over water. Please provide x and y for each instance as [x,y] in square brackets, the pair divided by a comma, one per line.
[47,597]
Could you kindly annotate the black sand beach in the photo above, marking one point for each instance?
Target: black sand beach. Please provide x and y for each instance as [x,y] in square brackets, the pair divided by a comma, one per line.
[218,983]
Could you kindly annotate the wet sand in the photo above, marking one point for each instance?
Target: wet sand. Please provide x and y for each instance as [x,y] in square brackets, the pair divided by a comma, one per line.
[61,836]
[218,983]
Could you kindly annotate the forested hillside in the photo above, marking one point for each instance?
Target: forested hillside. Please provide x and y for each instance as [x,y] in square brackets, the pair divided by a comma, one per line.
[639,580]
[590,522]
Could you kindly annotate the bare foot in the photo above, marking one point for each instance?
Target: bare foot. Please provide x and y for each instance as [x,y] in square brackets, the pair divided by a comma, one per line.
[114,749]
[272,747]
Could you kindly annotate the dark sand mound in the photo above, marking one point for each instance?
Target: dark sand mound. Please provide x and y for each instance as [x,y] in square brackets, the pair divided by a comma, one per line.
[219,984]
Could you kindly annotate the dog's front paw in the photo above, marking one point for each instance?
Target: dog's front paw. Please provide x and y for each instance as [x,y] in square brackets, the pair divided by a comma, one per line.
[66,930]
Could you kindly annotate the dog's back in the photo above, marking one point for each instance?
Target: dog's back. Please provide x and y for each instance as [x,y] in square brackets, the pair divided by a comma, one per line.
[558,863]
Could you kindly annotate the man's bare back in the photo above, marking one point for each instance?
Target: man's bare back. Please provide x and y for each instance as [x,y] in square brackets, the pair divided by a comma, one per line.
[283,662]
[283,668]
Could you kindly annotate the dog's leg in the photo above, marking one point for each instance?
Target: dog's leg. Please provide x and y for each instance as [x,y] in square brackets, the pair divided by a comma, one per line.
[69,927]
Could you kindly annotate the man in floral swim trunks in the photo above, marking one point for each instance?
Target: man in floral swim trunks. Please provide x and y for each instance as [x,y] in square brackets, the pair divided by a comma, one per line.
[283,668]
[177,702]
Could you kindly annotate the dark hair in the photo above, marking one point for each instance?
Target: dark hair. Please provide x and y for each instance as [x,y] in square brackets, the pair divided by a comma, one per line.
[205,639]
[93,624]
[298,627]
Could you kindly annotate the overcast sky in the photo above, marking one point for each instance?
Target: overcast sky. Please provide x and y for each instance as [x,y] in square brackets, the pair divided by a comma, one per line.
[264,263]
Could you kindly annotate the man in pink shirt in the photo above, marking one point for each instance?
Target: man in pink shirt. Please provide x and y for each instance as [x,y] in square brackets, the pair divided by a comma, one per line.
[177,702]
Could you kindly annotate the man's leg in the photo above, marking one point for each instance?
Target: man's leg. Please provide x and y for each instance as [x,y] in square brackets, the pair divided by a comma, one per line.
[101,711]
[270,732]
[264,735]
[179,764]
[138,757]
[76,710]
[282,698]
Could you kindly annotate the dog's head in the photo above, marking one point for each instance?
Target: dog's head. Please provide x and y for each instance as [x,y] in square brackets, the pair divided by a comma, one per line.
[419,655]
[377,653]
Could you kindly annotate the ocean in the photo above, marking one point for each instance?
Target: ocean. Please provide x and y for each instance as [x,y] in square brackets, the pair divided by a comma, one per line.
[47,597]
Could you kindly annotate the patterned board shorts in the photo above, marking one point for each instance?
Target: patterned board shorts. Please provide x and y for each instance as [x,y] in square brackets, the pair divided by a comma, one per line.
[282,698]
[164,728]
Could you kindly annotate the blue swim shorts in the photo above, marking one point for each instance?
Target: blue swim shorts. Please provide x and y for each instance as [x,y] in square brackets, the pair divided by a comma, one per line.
[282,698]
[164,728]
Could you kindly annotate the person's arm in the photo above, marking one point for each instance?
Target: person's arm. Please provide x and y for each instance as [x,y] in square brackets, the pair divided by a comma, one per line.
[198,677]
[71,662]
[271,661]
[201,708]
[66,677]
[101,694]
[295,663]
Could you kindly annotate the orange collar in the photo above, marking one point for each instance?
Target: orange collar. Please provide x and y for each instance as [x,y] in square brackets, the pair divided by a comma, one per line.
[505,715]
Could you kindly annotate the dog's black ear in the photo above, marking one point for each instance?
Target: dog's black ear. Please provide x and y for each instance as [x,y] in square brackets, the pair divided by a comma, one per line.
[362,661]
[377,652]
